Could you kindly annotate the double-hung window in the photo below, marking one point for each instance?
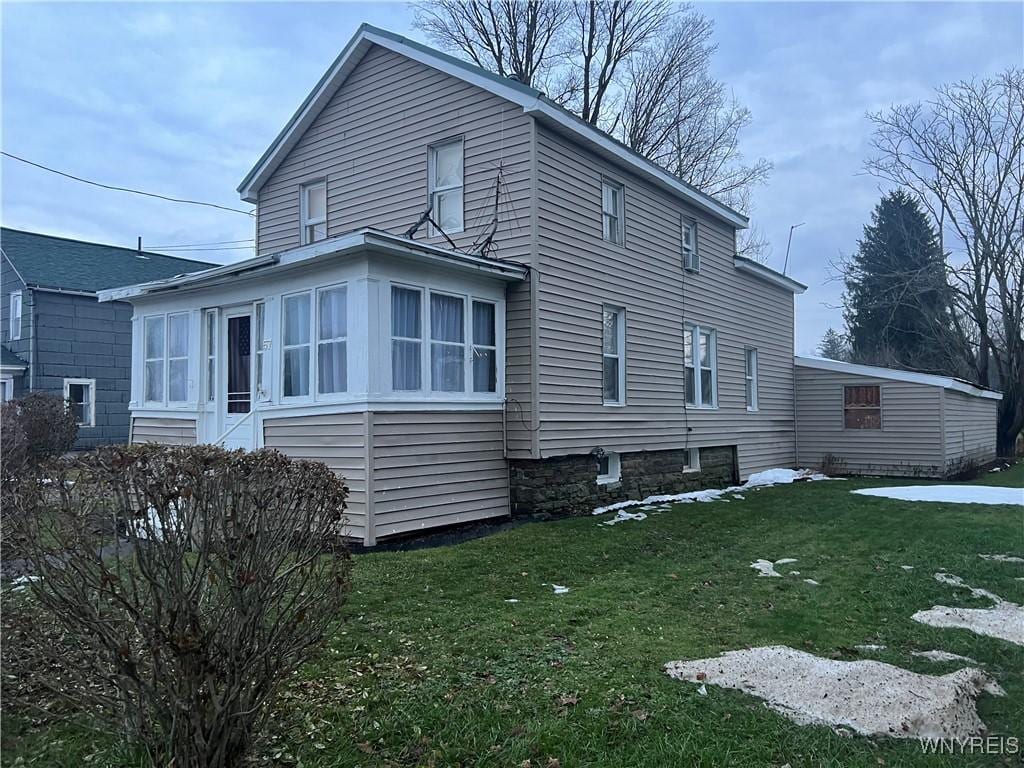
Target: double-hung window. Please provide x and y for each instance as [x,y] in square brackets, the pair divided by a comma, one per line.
[154,329]
[700,355]
[177,358]
[80,395]
[15,315]
[862,407]
[485,348]
[447,343]
[613,352]
[406,339]
[612,212]
[210,326]
[295,345]
[331,340]
[750,376]
[446,179]
[313,204]
[691,258]
[165,352]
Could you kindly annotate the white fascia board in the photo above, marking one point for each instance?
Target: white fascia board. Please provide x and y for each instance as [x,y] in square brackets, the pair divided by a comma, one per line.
[769,275]
[876,372]
[129,292]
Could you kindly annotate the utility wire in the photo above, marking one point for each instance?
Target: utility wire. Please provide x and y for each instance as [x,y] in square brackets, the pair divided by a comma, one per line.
[124,189]
[175,246]
[190,250]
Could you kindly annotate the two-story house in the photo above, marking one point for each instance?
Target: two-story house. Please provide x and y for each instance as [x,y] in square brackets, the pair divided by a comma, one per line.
[58,338]
[469,302]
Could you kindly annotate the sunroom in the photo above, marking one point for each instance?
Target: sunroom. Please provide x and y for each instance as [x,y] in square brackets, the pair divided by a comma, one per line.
[307,350]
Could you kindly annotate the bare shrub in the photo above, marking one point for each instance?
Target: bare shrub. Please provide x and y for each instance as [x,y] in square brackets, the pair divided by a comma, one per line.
[832,465]
[964,468]
[230,570]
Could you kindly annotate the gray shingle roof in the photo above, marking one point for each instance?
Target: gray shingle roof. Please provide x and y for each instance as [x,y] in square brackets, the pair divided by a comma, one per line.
[46,261]
[11,360]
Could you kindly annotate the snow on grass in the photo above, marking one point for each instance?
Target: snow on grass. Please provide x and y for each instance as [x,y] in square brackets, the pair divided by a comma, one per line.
[871,697]
[812,582]
[869,647]
[559,589]
[1003,620]
[907,567]
[956,494]
[767,567]
[940,656]
[756,481]
[1003,558]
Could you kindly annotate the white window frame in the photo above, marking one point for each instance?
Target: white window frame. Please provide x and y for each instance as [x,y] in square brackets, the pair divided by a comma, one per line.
[692,460]
[690,251]
[260,345]
[168,359]
[471,386]
[620,353]
[305,221]
[309,343]
[750,373]
[210,326]
[467,371]
[315,334]
[614,473]
[433,189]
[696,398]
[6,388]
[619,214]
[91,383]
[16,300]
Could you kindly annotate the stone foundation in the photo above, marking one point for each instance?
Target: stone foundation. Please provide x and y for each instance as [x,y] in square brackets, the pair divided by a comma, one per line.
[568,484]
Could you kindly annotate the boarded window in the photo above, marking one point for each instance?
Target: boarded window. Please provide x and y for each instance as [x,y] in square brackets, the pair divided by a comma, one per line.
[862,407]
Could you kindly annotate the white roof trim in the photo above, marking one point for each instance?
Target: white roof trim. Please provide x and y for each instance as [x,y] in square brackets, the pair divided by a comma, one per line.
[946,382]
[744,264]
[367,239]
[521,96]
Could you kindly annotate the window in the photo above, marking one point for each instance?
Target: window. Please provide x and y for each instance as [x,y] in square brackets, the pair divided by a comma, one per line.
[751,378]
[15,315]
[862,407]
[446,187]
[314,212]
[691,259]
[614,353]
[702,370]
[485,348]
[259,344]
[447,347]
[6,389]
[210,328]
[609,468]
[691,460]
[154,357]
[80,395]
[331,335]
[406,339]
[611,212]
[296,359]
[177,358]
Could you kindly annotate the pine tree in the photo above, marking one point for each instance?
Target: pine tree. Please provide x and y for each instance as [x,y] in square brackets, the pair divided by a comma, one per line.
[833,346]
[897,300]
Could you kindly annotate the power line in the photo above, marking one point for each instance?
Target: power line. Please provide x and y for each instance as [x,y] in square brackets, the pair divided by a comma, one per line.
[124,189]
[190,250]
[173,246]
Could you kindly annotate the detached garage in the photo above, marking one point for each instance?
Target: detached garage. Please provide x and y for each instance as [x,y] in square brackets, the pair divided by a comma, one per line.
[879,421]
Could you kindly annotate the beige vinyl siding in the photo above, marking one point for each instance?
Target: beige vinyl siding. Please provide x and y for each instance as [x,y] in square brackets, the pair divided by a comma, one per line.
[579,272]
[969,427]
[909,443]
[435,468]
[336,439]
[148,429]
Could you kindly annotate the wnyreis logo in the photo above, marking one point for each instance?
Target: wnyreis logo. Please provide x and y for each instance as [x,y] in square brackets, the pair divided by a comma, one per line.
[972,745]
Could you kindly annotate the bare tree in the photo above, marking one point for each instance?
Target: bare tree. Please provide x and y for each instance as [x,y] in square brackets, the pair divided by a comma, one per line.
[962,154]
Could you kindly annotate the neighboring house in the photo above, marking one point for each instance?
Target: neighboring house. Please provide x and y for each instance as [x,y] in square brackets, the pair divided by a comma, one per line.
[58,338]
[591,337]
[866,420]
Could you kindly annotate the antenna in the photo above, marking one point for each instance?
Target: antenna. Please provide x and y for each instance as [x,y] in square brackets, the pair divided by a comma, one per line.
[785,266]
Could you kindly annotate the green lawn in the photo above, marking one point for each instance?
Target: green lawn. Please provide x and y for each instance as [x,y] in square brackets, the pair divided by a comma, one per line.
[433,667]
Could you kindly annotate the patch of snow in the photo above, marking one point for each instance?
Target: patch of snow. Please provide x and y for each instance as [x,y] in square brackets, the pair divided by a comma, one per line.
[957,494]
[871,697]
[785,561]
[781,477]
[21,583]
[907,567]
[1003,558]
[942,656]
[869,647]
[765,568]
[996,469]
[1004,620]
[623,515]
[559,589]
[512,600]
[739,496]
[955,581]
[812,582]
[703,690]
[794,573]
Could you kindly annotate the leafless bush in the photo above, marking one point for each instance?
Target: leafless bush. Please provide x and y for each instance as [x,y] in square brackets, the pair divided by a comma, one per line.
[229,572]
[964,468]
[832,465]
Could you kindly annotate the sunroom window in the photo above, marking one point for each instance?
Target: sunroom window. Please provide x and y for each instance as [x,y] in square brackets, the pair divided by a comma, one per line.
[447,347]
[332,334]
[485,349]
[296,345]
[406,339]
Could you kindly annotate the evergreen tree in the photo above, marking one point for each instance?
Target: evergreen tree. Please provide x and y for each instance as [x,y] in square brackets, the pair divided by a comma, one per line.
[897,300]
[833,346]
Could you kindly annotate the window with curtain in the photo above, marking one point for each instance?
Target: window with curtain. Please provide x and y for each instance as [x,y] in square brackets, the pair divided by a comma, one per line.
[446,173]
[295,347]
[177,358]
[406,339]
[613,353]
[153,352]
[331,344]
[447,343]
[862,407]
[751,378]
[485,348]
[210,328]
[611,212]
[314,212]
[701,365]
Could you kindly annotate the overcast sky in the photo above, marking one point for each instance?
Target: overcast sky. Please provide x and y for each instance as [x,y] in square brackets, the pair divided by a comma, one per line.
[181,99]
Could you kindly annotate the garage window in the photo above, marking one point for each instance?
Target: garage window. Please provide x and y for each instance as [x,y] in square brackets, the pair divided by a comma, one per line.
[862,407]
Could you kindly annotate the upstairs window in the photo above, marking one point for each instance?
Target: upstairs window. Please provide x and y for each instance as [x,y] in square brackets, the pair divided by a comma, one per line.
[691,258]
[862,407]
[750,376]
[80,395]
[613,355]
[446,172]
[314,212]
[700,356]
[612,212]
[15,315]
